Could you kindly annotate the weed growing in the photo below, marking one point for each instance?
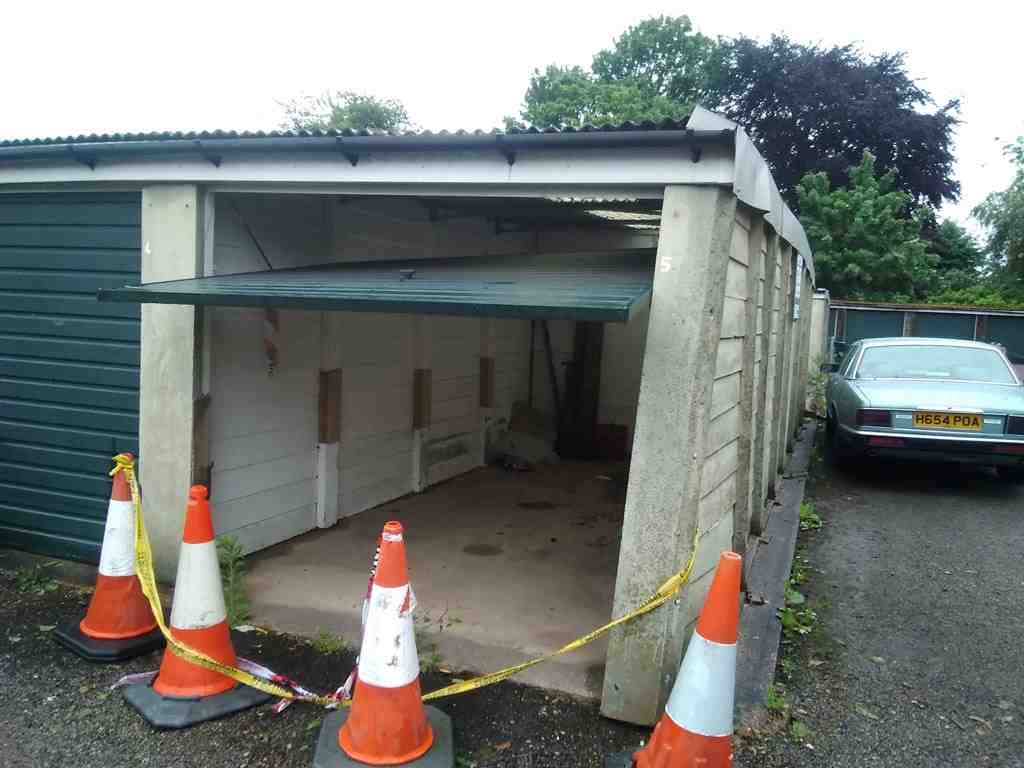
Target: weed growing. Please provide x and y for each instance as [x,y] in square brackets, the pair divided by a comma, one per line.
[232,575]
[328,642]
[35,580]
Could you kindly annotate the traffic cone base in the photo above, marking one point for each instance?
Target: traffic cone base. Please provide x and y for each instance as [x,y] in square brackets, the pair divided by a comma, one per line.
[183,693]
[119,623]
[171,712]
[106,651]
[387,723]
[441,752]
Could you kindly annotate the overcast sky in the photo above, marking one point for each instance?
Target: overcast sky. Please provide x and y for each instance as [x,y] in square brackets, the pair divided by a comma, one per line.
[116,67]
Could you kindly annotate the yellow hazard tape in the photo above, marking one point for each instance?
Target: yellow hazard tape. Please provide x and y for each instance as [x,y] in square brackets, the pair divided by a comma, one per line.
[144,568]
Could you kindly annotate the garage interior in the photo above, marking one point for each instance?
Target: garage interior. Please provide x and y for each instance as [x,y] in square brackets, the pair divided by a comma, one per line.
[490,409]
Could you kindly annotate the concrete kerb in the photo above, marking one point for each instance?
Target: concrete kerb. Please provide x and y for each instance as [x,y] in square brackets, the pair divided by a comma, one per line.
[769,565]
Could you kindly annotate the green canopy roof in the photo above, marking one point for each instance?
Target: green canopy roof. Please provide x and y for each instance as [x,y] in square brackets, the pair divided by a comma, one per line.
[603,287]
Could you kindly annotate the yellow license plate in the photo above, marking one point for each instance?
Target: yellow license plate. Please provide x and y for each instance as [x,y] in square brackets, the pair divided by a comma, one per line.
[969,422]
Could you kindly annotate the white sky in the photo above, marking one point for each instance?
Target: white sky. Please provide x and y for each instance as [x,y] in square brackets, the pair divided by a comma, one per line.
[117,67]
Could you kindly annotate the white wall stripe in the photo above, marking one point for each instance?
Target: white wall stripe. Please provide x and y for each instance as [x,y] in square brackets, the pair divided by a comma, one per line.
[117,557]
[702,697]
[388,657]
[198,596]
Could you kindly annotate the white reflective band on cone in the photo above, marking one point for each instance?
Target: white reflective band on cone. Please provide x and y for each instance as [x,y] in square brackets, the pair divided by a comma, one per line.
[117,557]
[388,657]
[704,692]
[198,597]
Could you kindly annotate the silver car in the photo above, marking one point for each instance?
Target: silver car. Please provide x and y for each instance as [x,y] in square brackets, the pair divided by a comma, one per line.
[931,399]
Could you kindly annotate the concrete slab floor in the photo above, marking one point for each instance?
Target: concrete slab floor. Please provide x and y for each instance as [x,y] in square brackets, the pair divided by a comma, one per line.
[505,566]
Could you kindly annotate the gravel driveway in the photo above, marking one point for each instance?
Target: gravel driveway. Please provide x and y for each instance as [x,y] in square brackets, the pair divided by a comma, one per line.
[919,656]
[56,709]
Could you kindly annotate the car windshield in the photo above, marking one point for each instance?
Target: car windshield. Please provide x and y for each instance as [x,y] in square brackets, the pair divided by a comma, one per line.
[906,361]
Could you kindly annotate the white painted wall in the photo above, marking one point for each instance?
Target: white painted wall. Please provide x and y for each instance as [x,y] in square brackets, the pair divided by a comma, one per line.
[262,426]
[374,352]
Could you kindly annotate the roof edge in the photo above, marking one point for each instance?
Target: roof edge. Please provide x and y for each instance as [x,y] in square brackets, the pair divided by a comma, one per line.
[212,147]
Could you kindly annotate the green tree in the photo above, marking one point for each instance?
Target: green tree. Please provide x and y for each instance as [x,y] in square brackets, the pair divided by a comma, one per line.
[570,96]
[663,57]
[865,244]
[812,109]
[961,261]
[807,108]
[656,70]
[1003,214]
[344,111]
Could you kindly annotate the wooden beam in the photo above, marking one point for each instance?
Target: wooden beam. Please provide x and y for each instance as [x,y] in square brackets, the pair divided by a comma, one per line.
[329,420]
[486,382]
[421,386]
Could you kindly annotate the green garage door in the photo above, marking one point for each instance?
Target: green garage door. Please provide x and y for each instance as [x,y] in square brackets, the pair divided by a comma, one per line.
[872,324]
[69,365]
[944,325]
[1008,331]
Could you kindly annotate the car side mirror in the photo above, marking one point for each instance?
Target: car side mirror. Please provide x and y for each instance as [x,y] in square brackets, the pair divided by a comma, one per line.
[830,367]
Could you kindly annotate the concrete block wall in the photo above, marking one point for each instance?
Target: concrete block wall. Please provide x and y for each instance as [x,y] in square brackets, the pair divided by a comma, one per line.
[717,412]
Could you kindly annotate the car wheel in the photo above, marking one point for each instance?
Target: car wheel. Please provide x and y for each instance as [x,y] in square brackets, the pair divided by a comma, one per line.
[1011,474]
[837,450]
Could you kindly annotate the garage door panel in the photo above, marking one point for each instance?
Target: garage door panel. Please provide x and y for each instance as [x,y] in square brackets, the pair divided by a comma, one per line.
[69,365]
[65,280]
[1008,331]
[123,353]
[63,415]
[58,436]
[80,304]
[63,326]
[49,522]
[99,259]
[53,544]
[867,324]
[70,394]
[72,212]
[55,501]
[73,373]
[86,236]
[944,326]
[59,480]
[61,458]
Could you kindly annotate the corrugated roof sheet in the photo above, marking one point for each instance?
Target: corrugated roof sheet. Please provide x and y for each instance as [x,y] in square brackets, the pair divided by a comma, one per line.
[593,287]
[108,138]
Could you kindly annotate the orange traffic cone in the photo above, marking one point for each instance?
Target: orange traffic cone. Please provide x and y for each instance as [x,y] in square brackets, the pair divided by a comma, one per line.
[119,623]
[183,693]
[387,723]
[696,729]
